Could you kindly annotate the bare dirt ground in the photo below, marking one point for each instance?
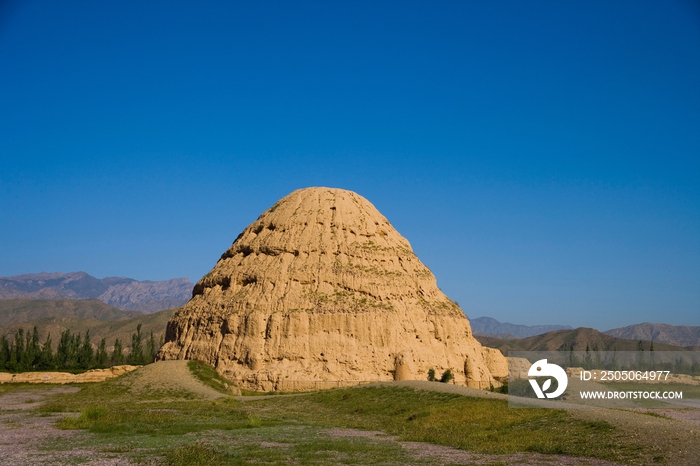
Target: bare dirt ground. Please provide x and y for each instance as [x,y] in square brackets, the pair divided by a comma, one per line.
[22,432]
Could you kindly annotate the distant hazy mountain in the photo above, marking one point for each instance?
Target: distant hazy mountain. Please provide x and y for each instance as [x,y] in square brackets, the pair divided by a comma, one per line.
[120,292]
[491,327]
[679,335]
[578,338]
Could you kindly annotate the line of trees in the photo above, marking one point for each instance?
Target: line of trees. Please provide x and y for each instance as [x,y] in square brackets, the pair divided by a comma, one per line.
[23,352]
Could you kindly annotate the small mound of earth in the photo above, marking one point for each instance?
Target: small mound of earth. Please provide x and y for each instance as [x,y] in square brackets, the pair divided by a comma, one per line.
[169,377]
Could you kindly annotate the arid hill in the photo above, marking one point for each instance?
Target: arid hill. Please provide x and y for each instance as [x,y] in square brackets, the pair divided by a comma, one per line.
[17,311]
[54,317]
[322,291]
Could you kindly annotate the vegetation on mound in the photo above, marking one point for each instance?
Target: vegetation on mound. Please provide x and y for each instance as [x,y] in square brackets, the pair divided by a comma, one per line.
[209,377]
[277,430]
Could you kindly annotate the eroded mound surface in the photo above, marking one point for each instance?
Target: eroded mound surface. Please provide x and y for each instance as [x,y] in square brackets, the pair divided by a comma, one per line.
[321,291]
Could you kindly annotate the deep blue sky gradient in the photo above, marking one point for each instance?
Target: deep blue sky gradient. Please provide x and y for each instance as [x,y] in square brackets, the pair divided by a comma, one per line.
[543,158]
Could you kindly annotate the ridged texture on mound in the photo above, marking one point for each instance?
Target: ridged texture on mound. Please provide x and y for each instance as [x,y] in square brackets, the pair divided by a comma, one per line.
[322,291]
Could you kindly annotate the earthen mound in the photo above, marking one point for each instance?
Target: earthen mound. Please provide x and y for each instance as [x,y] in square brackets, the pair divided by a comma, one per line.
[321,291]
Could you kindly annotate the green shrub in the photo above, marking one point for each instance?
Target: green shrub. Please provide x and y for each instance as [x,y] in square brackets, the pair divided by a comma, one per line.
[431,375]
[447,376]
[503,388]
[209,377]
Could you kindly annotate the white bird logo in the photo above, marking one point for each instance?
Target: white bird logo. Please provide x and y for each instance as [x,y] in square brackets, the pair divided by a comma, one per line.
[542,369]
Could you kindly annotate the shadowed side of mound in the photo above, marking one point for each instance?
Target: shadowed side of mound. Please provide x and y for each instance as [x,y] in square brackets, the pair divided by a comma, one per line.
[172,379]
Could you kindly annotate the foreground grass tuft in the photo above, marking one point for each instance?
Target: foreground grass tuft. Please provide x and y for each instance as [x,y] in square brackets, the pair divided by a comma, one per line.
[196,454]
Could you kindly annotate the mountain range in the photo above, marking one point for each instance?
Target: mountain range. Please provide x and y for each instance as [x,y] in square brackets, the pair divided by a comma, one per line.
[486,326]
[19,311]
[578,339]
[676,335]
[681,335]
[120,292]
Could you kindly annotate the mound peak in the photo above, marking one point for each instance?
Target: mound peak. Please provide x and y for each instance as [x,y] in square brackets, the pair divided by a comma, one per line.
[322,291]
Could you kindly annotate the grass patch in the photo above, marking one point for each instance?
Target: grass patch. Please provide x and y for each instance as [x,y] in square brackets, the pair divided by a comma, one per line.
[279,430]
[254,421]
[161,418]
[195,454]
[6,388]
[209,377]
[476,424]
[102,419]
[246,392]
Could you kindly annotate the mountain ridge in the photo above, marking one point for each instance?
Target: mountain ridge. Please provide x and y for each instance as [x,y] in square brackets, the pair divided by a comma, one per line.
[487,326]
[18,311]
[124,293]
[578,339]
[680,335]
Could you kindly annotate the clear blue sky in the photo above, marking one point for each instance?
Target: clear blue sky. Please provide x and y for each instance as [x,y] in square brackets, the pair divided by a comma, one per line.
[543,158]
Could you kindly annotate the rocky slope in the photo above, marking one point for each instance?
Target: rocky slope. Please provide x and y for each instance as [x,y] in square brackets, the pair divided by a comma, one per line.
[321,291]
[120,292]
